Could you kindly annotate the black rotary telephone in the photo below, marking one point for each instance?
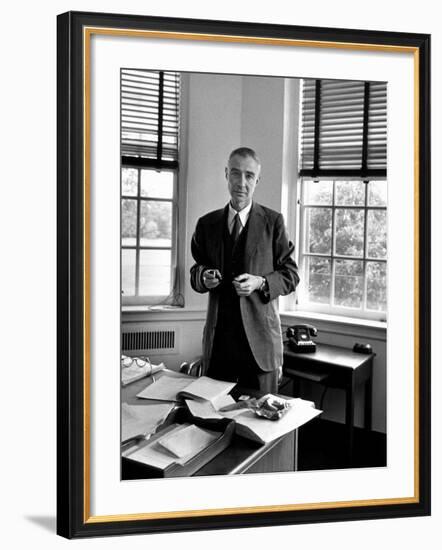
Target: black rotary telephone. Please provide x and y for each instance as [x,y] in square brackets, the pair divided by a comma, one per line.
[299,338]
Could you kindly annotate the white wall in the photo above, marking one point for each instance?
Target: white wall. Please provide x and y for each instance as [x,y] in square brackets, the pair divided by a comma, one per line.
[263,130]
[28,275]
[214,124]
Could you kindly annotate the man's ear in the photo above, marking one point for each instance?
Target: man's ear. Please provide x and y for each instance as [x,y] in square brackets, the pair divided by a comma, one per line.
[226,172]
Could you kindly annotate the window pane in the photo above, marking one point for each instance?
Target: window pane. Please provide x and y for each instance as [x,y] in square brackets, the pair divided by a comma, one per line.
[377,286]
[349,232]
[157,185]
[318,230]
[128,272]
[349,283]
[377,193]
[318,272]
[155,272]
[155,223]
[318,192]
[128,222]
[350,193]
[129,180]
[377,234]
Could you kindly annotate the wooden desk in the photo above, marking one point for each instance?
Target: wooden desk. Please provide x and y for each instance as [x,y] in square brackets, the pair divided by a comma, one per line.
[241,457]
[336,367]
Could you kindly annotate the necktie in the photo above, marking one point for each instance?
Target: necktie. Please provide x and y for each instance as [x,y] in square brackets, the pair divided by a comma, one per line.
[236,230]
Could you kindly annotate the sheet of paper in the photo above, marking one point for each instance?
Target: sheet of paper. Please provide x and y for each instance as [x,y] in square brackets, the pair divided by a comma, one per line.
[202,409]
[205,409]
[154,455]
[223,401]
[208,388]
[134,373]
[140,420]
[260,429]
[165,388]
[188,442]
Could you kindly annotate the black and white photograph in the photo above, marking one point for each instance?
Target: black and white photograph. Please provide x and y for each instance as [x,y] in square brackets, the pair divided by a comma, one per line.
[254,265]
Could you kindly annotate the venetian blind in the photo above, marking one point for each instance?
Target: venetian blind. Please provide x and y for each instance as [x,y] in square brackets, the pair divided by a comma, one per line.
[344,128]
[150,115]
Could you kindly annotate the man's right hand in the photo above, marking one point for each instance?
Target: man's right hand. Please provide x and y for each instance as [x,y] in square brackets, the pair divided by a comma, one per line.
[211,278]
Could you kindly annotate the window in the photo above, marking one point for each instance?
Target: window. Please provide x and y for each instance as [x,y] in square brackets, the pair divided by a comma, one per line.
[149,174]
[343,199]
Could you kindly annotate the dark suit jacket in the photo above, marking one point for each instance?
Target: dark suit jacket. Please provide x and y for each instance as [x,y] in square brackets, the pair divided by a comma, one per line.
[268,254]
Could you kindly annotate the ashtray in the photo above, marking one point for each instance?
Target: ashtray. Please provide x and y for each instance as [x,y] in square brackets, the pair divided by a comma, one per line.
[271,407]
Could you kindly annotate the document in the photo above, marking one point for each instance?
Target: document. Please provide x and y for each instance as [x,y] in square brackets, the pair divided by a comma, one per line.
[142,420]
[188,442]
[153,454]
[208,389]
[165,388]
[259,429]
[172,387]
[205,409]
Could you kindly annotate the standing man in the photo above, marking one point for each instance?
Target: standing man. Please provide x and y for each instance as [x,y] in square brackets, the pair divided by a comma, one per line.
[243,259]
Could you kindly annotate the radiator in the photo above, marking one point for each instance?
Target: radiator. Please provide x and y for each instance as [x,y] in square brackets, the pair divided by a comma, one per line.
[150,341]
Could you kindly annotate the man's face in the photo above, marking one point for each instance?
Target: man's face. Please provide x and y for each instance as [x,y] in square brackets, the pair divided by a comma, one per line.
[242,174]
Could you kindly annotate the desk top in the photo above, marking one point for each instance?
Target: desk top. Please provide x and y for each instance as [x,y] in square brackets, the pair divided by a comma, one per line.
[331,355]
[236,459]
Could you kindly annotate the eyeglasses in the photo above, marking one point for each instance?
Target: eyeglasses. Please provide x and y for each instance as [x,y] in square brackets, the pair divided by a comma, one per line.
[141,361]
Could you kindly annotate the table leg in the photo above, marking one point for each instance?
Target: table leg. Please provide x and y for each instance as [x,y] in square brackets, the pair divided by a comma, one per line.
[295,443]
[350,416]
[368,398]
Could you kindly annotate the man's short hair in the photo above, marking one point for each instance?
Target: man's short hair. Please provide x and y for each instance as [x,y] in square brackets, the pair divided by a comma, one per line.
[245,152]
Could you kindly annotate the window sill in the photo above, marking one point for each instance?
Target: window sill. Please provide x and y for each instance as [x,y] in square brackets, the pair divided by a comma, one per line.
[133,313]
[144,308]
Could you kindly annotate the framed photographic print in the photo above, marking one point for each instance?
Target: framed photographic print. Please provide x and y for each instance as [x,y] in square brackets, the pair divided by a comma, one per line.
[243,274]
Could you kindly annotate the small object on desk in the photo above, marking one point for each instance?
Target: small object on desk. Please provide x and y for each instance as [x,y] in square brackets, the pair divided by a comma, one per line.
[135,368]
[300,338]
[263,430]
[366,349]
[271,407]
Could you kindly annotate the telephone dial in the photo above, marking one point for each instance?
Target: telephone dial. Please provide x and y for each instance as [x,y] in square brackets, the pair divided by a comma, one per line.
[300,338]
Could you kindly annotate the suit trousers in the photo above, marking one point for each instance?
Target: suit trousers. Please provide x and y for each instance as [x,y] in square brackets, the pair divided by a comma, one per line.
[232,361]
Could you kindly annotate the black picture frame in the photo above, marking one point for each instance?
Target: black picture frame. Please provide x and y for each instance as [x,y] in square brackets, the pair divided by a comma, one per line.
[73,517]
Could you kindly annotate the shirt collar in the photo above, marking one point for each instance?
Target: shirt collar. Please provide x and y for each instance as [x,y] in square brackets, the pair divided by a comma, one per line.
[243,214]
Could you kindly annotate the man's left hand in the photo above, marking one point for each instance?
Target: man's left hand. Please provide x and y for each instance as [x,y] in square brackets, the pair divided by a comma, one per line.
[245,284]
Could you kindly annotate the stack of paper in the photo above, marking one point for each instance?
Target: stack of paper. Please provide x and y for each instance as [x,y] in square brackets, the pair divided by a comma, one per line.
[165,388]
[207,410]
[177,446]
[208,389]
[172,388]
[141,420]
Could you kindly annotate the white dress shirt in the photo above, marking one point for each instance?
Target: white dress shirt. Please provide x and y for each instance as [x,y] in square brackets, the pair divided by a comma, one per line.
[243,216]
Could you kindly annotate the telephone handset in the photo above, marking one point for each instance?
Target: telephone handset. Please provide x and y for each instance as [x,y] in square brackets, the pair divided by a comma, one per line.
[299,338]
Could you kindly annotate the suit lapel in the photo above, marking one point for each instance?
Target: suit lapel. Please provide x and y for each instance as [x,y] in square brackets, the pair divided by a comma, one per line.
[256,224]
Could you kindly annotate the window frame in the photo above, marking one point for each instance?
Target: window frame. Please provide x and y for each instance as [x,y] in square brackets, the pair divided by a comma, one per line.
[330,309]
[175,296]
[153,299]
